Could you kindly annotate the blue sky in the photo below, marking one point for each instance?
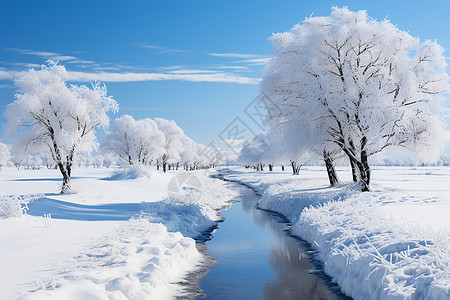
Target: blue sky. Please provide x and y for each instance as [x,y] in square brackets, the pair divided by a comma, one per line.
[196,62]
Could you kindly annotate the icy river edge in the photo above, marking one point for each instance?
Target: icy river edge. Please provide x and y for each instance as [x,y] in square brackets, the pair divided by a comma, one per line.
[252,255]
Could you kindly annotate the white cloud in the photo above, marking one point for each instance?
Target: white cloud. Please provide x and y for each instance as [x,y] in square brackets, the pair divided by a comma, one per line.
[64,57]
[233,67]
[45,54]
[257,61]
[109,72]
[183,75]
[237,55]
[191,71]
[22,65]
[151,46]
[5,75]
[186,76]
[162,49]
[79,61]
[249,59]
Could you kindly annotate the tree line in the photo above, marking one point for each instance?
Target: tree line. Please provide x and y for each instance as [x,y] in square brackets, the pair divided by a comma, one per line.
[58,121]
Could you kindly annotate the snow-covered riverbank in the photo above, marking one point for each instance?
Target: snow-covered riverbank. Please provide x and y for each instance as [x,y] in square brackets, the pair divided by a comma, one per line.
[115,236]
[391,243]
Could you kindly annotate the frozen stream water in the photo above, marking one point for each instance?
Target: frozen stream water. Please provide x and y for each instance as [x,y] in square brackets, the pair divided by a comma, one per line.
[255,257]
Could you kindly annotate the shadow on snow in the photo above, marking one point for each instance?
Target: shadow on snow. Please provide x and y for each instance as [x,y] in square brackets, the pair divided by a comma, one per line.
[72,211]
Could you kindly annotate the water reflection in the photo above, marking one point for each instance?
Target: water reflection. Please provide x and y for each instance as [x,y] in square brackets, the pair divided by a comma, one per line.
[257,259]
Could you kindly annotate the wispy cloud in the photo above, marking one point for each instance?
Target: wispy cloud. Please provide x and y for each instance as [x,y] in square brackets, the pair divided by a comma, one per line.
[81,70]
[64,58]
[233,67]
[237,55]
[81,62]
[19,64]
[45,54]
[161,49]
[192,71]
[151,46]
[246,59]
[183,76]
[8,75]
[256,61]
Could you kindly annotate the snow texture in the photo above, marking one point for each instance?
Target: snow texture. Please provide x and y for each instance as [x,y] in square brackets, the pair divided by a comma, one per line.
[15,206]
[139,260]
[115,237]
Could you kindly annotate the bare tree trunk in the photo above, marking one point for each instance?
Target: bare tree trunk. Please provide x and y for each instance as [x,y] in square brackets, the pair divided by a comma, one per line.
[295,168]
[282,167]
[331,171]
[270,167]
[355,170]
[360,167]
[164,165]
[66,178]
[364,170]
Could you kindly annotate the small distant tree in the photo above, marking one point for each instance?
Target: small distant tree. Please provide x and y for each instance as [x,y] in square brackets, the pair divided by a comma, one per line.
[5,155]
[173,145]
[135,141]
[252,152]
[58,117]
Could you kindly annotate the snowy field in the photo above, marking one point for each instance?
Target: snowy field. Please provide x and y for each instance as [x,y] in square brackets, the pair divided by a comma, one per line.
[114,237]
[390,243]
[118,236]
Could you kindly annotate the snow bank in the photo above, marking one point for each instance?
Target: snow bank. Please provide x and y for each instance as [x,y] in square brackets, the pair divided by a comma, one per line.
[15,206]
[370,253]
[191,216]
[140,260]
[289,201]
[130,172]
[189,219]
[375,256]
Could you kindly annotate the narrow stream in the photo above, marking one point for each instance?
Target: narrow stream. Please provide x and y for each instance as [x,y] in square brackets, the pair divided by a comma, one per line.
[253,256]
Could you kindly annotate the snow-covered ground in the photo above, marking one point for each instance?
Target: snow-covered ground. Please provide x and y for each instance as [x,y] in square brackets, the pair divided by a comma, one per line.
[105,240]
[118,236]
[390,243]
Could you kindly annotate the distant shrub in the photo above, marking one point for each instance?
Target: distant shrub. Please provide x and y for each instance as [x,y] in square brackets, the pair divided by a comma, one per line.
[15,206]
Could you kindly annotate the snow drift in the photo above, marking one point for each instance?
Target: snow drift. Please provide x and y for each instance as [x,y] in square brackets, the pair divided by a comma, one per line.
[139,260]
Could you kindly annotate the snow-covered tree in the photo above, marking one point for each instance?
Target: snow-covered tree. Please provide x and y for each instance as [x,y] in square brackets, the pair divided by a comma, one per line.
[135,141]
[160,142]
[173,145]
[58,117]
[252,152]
[109,160]
[210,156]
[5,155]
[189,153]
[352,82]
[22,159]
